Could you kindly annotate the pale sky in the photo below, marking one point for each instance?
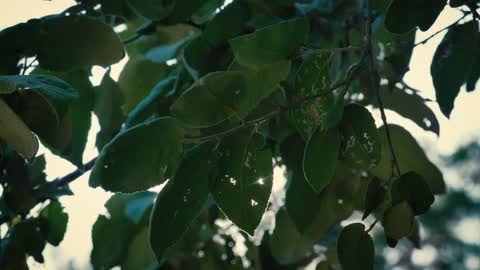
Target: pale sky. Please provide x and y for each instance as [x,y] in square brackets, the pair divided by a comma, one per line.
[87,203]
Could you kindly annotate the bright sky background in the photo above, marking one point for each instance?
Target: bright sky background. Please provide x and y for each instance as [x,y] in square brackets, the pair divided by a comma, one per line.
[87,203]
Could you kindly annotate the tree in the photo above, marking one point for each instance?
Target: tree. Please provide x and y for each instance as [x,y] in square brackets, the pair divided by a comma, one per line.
[214,96]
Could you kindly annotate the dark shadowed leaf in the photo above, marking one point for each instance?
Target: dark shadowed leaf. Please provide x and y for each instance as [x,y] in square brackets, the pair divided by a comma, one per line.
[355,248]
[411,106]
[113,234]
[270,44]
[181,200]
[410,157]
[411,188]
[77,41]
[69,137]
[135,160]
[374,197]
[320,158]
[107,108]
[403,15]
[398,221]
[55,90]
[153,9]
[283,237]
[54,222]
[452,63]
[361,146]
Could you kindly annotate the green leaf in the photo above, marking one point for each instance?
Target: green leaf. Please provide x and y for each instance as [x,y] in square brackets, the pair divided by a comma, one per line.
[280,242]
[182,11]
[107,108]
[149,104]
[411,106]
[315,214]
[355,248]
[244,180]
[138,78]
[320,158]
[227,24]
[201,57]
[398,221]
[221,95]
[54,222]
[270,44]
[181,200]
[164,53]
[410,157]
[153,9]
[69,137]
[139,158]
[361,146]
[411,188]
[140,255]
[56,91]
[76,41]
[15,133]
[414,237]
[137,207]
[452,63]
[375,196]
[112,235]
[403,15]
[312,79]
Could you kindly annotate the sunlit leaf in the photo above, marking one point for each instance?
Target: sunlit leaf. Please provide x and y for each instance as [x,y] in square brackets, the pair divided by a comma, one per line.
[14,131]
[244,180]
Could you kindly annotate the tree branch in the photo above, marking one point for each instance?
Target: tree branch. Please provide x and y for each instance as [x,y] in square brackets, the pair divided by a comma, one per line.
[441,30]
[473,8]
[67,179]
[374,80]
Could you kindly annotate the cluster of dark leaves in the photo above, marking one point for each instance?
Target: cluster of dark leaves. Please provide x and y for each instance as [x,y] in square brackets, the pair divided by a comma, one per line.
[212,98]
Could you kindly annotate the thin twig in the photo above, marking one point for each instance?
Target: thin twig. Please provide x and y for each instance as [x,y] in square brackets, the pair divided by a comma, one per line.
[131,39]
[372,225]
[473,8]
[441,30]
[69,178]
[231,130]
[332,50]
[374,79]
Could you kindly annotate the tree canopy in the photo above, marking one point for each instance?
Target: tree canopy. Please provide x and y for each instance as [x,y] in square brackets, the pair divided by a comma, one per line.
[214,96]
